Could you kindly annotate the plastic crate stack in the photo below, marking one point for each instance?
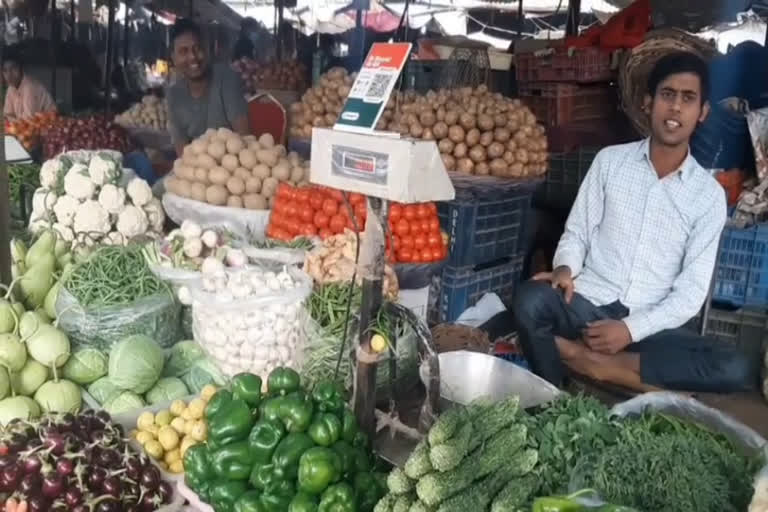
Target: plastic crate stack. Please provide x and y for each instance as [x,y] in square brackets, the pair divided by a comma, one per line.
[486,226]
[566,172]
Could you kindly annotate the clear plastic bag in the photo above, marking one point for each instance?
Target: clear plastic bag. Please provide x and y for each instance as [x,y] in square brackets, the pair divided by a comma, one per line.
[156,316]
[280,254]
[253,334]
[247,224]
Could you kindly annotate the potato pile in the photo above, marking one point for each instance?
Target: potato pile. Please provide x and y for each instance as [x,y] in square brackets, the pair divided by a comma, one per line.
[320,105]
[223,168]
[151,112]
[284,75]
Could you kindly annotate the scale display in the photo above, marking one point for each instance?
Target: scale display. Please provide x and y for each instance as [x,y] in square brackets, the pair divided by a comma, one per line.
[357,164]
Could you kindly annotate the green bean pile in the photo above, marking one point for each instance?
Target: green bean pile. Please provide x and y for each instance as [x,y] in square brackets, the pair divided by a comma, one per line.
[23,179]
[113,275]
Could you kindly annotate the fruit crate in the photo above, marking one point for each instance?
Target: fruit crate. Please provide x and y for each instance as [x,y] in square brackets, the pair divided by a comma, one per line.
[555,104]
[423,75]
[459,288]
[745,328]
[741,276]
[583,65]
[564,177]
[484,224]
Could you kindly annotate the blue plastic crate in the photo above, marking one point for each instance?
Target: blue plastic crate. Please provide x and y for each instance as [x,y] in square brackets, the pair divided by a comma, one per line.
[459,288]
[484,229]
[742,267]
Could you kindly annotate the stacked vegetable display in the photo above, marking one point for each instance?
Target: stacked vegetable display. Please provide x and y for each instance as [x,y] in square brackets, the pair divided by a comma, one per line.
[285,74]
[23,180]
[292,449]
[79,463]
[83,197]
[29,130]
[320,105]
[93,132]
[151,112]
[223,168]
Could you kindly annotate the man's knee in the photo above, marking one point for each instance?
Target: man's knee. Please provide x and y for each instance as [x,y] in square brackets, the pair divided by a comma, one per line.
[737,373]
[531,299]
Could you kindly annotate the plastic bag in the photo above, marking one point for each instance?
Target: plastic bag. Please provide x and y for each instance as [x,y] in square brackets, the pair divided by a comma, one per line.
[280,254]
[156,316]
[252,334]
[250,224]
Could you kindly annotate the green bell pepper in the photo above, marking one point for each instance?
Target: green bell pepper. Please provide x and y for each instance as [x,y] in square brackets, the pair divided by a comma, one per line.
[282,381]
[197,466]
[303,502]
[318,468]
[278,497]
[233,461]
[247,387]
[338,498]
[249,502]
[232,422]
[224,494]
[270,408]
[367,491]
[556,504]
[348,426]
[325,429]
[295,412]
[289,451]
[217,402]
[361,440]
[264,438]
[362,460]
[347,456]
[327,397]
[263,476]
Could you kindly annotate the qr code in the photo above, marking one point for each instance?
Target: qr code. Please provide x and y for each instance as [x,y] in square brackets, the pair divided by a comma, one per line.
[378,85]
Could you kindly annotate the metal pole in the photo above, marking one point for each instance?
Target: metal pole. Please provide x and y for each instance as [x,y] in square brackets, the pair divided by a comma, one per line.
[55,37]
[520,19]
[574,16]
[72,35]
[5,209]
[126,32]
[359,36]
[110,53]
[279,30]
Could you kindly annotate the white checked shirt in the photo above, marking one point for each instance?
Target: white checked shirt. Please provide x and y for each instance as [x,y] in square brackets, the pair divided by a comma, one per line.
[650,243]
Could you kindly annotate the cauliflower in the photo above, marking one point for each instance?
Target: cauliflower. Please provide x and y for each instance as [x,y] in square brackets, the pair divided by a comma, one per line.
[65,209]
[43,201]
[78,184]
[155,214]
[139,191]
[112,198]
[36,225]
[64,232]
[91,219]
[132,222]
[49,172]
[103,170]
[115,238]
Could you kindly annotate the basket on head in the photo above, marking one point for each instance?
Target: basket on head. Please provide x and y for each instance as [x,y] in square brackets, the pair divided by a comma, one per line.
[638,63]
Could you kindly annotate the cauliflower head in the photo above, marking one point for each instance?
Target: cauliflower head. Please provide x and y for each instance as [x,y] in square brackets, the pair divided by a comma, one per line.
[38,224]
[139,191]
[103,170]
[115,238]
[132,222]
[64,232]
[91,219]
[112,198]
[43,201]
[49,172]
[78,184]
[155,214]
[65,209]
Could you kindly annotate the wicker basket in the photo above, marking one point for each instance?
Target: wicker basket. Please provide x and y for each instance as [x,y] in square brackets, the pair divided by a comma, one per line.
[637,65]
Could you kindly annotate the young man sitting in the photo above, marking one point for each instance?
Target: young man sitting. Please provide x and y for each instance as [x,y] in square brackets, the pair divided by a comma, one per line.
[636,259]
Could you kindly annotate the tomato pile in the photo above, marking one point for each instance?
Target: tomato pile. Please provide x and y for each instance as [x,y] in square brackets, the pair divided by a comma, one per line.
[414,230]
[28,130]
[93,132]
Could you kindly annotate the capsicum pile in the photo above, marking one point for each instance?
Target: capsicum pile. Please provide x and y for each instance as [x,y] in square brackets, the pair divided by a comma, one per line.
[288,449]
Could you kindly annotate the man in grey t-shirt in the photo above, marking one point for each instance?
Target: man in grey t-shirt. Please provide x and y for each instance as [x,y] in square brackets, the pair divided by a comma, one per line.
[204,95]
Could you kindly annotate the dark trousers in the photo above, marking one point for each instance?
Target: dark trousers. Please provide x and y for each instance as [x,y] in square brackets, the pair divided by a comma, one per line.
[671,359]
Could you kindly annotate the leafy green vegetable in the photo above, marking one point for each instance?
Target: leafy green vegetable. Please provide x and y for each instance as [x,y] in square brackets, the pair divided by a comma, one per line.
[202,373]
[135,363]
[446,456]
[515,493]
[103,390]
[85,366]
[181,357]
[399,483]
[166,390]
[124,402]
[418,463]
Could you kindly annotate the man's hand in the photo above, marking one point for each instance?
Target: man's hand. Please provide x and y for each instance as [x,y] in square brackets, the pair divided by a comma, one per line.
[560,278]
[607,336]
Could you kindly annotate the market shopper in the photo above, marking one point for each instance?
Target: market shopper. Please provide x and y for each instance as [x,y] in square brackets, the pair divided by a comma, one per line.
[636,259]
[204,95]
[25,96]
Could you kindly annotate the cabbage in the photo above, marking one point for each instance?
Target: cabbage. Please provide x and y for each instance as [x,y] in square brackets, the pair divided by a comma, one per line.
[62,396]
[135,363]
[30,378]
[18,407]
[166,390]
[85,366]
[5,383]
[181,357]
[202,373]
[124,402]
[103,390]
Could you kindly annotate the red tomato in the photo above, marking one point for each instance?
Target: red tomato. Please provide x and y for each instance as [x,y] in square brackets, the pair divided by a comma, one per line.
[282,234]
[316,200]
[409,212]
[395,213]
[336,195]
[293,226]
[330,207]
[406,242]
[325,233]
[405,255]
[337,223]
[308,229]
[422,212]
[271,230]
[415,226]
[396,242]
[434,225]
[305,213]
[432,207]
[321,220]
[292,210]
[361,212]
[402,228]
[285,190]
[424,223]
[437,254]
[434,240]
[426,254]
[279,206]
[355,198]
[301,196]
[419,241]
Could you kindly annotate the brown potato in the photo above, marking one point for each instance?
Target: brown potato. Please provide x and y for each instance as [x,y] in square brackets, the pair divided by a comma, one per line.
[456,133]
[473,137]
[460,150]
[440,129]
[446,146]
[465,165]
[486,138]
[477,154]
[449,162]
[495,150]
